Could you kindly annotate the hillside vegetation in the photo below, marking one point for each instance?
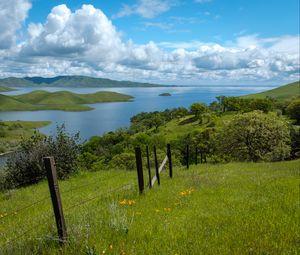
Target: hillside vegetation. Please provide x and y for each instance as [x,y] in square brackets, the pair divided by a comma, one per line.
[237,208]
[12,132]
[70,81]
[61,100]
[5,89]
[283,92]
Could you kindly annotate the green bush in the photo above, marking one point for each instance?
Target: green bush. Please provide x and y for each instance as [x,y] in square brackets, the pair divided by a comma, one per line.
[255,136]
[293,110]
[26,166]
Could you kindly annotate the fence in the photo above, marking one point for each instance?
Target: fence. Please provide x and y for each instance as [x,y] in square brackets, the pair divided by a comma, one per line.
[55,194]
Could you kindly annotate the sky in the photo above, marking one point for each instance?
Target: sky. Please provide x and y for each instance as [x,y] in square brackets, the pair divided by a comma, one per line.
[180,42]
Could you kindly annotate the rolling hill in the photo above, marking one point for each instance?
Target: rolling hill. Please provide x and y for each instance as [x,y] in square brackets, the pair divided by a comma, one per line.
[70,81]
[5,89]
[283,92]
[61,100]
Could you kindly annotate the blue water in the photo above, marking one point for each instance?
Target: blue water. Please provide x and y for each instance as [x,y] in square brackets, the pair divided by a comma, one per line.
[110,116]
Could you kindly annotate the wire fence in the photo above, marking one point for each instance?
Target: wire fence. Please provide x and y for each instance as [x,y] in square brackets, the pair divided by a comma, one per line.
[55,193]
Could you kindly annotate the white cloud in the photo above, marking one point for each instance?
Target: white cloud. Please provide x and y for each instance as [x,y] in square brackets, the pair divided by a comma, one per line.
[12,15]
[86,42]
[146,8]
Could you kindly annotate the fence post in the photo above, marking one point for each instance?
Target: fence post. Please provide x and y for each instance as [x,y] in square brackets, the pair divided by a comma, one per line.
[156,165]
[201,157]
[149,166]
[170,160]
[55,197]
[187,156]
[196,156]
[139,168]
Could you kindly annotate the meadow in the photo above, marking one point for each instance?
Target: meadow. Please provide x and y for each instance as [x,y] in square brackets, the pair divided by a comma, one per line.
[235,208]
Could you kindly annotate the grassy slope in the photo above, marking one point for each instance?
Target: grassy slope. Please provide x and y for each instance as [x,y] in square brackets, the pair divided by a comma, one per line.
[5,89]
[284,92]
[61,100]
[15,130]
[236,208]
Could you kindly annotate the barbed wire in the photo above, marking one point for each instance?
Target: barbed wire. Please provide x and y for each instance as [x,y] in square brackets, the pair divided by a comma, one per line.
[90,183]
[14,212]
[98,196]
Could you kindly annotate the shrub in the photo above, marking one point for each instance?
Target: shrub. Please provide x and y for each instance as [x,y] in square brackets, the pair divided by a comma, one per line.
[255,136]
[26,166]
[293,110]
[124,161]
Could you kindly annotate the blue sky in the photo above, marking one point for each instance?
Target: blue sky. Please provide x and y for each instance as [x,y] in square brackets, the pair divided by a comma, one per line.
[164,41]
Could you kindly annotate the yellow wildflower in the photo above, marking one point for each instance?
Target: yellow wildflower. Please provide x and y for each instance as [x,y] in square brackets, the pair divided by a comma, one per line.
[111,246]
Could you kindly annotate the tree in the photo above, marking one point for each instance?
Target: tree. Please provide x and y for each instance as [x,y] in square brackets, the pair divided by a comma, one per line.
[198,109]
[255,136]
[293,110]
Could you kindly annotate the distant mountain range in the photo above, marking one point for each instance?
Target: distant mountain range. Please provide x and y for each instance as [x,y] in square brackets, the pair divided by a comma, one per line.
[71,81]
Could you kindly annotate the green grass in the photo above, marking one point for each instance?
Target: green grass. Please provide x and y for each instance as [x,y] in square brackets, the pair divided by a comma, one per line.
[236,208]
[5,89]
[61,100]
[11,133]
[284,92]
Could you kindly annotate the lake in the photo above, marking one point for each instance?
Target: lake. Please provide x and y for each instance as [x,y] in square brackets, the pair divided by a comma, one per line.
[111,116]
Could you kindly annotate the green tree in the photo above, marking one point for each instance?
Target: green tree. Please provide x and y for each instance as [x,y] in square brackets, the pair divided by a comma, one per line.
[293,110]
[198,109]
[255,136]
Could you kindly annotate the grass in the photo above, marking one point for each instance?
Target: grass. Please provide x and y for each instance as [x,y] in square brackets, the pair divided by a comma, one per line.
[5,89]
[61,100]
[11,133]
[284,92]
[236,208]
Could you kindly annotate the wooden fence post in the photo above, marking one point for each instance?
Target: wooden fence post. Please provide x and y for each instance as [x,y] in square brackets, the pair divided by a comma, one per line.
[196,156]
[170,160]
[55,197]
[156,165]
[139,168]
[201,157]
[149,166]
[187,156]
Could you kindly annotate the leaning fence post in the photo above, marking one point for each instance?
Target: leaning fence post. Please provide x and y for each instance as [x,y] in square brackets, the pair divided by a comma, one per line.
[156,165]
[55,197]
[196,156]
[139,168]
[187,156]
[149,166]
[170,160]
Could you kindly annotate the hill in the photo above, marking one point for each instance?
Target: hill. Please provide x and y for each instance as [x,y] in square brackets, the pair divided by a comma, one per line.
[5,89]
[236,208]
[284,92]
[70,81]
[61,100]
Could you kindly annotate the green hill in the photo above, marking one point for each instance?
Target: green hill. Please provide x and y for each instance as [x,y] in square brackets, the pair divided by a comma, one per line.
[70,81]
[284,92]
[61,100]
[5,89]
[236,208]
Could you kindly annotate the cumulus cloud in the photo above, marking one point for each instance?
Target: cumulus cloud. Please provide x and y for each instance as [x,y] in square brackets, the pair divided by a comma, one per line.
[12,15]
[145,8]
[86,42]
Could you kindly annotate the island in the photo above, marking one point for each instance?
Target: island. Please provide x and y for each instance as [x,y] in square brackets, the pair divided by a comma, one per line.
[61,100]
[165,95]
